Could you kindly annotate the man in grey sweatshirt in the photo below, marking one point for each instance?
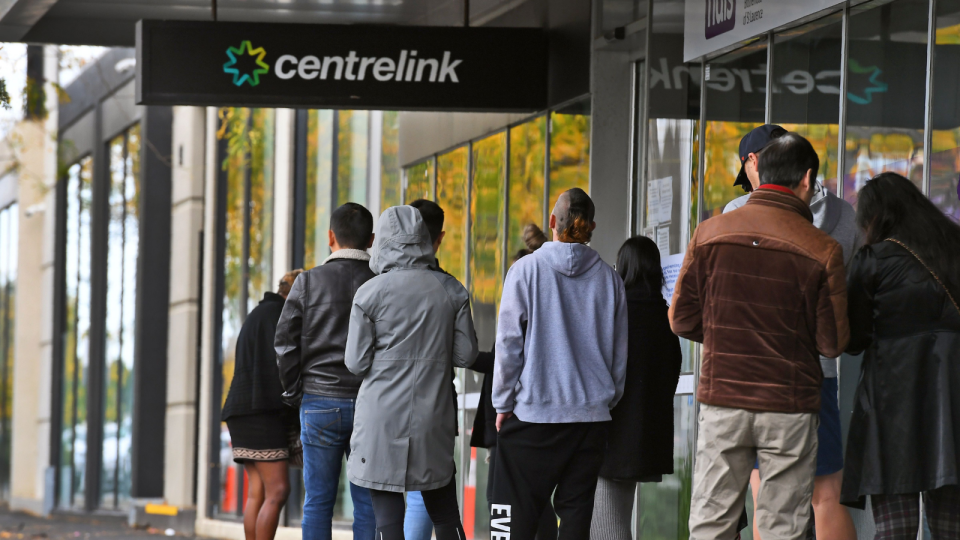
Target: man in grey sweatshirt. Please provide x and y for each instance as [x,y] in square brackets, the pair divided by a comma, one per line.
[561,362]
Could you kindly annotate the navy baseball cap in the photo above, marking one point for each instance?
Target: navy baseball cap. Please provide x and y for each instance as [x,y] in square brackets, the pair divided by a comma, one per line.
[753,143]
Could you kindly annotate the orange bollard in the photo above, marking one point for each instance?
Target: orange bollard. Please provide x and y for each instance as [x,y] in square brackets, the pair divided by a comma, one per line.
[470,497]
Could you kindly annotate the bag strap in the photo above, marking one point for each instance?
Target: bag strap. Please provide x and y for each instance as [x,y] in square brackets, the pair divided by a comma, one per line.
[932,273]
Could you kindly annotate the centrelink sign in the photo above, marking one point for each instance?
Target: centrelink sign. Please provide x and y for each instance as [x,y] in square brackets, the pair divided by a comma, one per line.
[341,66]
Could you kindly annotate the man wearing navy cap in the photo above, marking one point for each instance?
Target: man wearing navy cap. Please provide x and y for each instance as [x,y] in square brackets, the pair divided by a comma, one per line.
[837,218]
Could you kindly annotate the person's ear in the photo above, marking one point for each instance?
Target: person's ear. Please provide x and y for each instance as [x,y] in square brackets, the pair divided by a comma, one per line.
[593,226]
[553,221]
[808,180]
[332,238]
[370,243]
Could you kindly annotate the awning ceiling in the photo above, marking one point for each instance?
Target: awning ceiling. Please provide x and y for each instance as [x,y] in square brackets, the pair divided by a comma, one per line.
[111,22]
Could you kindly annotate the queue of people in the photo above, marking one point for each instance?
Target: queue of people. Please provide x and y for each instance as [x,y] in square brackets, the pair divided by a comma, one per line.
[576,405]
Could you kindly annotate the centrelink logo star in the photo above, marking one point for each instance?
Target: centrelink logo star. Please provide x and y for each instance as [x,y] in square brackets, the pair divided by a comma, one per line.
[877,86]
[246,50]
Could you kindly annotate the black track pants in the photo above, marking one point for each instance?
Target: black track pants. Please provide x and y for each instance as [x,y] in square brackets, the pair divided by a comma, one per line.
[535,461]
[441,504]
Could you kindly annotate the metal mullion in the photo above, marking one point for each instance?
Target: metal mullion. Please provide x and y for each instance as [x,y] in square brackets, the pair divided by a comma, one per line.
[504,240]
[928,102]
[59,342]
[842,132]
[701,168]
[546,173]
[434,175]
[216,379]
[768,98]
[299,188]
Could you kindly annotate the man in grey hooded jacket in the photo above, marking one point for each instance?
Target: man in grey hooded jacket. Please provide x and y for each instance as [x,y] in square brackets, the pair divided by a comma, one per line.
[561,364]
[409,326]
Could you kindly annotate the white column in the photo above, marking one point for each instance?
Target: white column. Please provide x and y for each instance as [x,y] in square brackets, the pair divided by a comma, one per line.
[376,147]
[283,192]
[187,204]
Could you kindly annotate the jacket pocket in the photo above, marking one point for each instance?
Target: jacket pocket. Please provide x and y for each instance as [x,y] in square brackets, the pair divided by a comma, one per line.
[321,427]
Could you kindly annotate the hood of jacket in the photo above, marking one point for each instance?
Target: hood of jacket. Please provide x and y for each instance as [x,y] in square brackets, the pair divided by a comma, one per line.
[571,260]
[826,208]
[402,241]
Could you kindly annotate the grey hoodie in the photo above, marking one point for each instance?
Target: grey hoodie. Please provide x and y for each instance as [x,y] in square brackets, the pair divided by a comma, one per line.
[561,337]
[837,218]
[408,327]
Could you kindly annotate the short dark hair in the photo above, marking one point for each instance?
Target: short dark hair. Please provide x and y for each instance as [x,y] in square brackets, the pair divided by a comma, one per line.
[352,224]
[786,160]
[574,219]
[432,216]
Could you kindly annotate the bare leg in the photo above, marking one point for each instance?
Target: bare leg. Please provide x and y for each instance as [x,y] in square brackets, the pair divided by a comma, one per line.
[755,487]
[833,521]
[276,486]
[254,501]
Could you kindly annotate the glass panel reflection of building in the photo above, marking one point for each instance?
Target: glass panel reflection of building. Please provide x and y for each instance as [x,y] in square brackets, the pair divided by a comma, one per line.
[123,250]
[76,358]
[9,246]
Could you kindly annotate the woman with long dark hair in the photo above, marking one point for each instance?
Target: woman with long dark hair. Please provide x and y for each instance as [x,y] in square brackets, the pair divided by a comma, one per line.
[903,288]
[640,440]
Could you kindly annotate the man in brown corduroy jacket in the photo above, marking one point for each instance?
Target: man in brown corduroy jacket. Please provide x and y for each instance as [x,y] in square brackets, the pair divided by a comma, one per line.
[765,292]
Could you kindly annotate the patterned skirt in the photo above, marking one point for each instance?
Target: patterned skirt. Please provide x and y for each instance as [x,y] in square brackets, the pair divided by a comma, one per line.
[272,436]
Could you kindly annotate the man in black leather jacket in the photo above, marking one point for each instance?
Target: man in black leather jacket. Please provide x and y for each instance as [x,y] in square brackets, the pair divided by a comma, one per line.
[310,342]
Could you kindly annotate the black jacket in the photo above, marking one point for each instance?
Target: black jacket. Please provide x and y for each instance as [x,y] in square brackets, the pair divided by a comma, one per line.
[640,440]
[256,384]
[905,430]
[485,422]
[312,332]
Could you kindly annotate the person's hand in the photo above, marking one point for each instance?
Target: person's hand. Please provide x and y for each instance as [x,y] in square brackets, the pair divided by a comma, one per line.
[501,418]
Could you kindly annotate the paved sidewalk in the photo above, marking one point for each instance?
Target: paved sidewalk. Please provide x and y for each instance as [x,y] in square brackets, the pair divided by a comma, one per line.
[20,526]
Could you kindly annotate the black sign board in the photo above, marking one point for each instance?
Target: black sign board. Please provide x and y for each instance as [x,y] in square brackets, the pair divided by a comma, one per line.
[341,66]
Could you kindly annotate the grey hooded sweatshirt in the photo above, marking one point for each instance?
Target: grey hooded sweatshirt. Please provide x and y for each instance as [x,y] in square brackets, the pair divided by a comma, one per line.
[837,218]
[408,327]
[561,337]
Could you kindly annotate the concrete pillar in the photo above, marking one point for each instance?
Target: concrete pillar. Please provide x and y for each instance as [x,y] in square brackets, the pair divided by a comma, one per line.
[187,204]
[33,356]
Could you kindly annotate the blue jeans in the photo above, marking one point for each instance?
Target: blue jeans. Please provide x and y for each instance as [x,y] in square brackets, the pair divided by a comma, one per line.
[416,521]
[325,428]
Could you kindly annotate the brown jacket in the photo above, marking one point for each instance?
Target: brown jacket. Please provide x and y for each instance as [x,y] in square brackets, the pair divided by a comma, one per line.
[765,292]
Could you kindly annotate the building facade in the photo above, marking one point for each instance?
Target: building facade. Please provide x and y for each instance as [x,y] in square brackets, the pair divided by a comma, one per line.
[135,239]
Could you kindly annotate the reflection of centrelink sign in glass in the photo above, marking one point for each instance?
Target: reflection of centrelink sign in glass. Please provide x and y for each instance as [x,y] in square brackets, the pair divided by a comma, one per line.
[865,80]
[721,17]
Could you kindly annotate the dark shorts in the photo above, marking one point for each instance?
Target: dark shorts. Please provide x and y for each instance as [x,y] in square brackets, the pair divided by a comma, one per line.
[261,437]
[829,434]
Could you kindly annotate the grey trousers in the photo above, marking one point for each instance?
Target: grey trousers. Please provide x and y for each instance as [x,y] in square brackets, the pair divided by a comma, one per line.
[612,510]
[728,444]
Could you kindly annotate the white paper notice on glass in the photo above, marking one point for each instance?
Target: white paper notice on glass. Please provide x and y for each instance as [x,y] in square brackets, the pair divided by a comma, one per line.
[663,241]
[651,233]
[665,199]
[671,270]
[653,203]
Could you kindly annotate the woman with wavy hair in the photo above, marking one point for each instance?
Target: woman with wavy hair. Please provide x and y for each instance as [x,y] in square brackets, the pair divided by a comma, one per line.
[903,288]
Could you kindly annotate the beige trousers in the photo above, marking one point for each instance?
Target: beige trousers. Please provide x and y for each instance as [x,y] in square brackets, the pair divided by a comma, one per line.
[728,443]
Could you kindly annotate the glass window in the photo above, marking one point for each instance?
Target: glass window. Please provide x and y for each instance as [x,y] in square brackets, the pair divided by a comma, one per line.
[123,247]
[487,215]
[664,507]
[887,74]
[806,97]
[391,188]
[736,101]
[945,149]
[76,360]
[320,134]
[569,150]
[420,181]
[452,197]
[247,170]
[528,143]
[9,244]
[673,129]
[353,156]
